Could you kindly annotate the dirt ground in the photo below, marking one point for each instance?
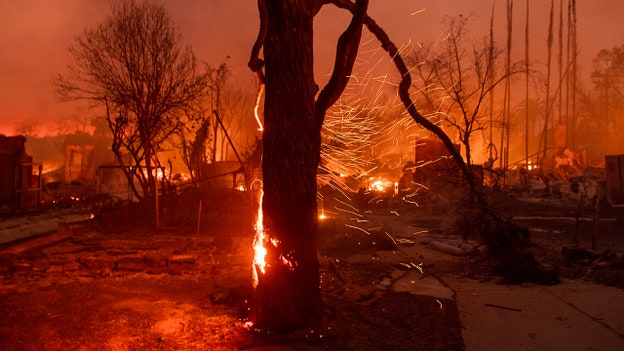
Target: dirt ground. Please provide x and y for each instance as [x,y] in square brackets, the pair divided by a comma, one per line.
[112,286]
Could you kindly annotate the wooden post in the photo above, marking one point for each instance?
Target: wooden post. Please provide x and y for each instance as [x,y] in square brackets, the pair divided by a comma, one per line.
[596,220]
[199,216]
[156,204]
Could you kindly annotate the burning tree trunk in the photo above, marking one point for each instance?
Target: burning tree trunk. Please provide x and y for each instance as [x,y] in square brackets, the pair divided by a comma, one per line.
[287,291]
[287,294]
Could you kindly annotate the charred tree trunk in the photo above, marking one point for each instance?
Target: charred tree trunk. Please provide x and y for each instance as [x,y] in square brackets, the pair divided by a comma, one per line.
[288,294]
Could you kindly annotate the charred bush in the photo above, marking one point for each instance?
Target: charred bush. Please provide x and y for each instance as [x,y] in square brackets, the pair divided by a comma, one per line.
[523,268]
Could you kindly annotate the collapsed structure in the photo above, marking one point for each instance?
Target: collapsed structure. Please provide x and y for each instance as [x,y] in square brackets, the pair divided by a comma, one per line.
[20,188]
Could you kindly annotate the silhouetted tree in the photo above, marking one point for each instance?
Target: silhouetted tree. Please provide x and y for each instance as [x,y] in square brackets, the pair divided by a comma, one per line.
[457,77]
[134,65]
[607,75]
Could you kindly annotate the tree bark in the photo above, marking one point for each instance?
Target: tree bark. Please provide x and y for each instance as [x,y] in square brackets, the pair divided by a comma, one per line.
[288,295]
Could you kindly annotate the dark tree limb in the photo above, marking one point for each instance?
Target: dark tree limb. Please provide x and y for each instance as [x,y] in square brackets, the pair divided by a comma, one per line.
[255,62]
[404,85]
[346,53]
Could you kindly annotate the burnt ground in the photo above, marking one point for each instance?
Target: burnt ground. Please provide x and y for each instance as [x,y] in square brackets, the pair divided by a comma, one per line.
[118,285]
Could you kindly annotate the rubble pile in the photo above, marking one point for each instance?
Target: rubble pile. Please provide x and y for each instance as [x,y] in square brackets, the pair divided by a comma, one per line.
[576,256]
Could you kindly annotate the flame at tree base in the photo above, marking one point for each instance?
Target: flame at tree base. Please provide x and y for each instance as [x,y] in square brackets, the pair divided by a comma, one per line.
[285,281]
[284,300]
[261,244]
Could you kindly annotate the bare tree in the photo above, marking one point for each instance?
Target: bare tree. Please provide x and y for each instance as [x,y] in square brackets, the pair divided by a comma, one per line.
[134,65]
[608,79]
[457,77]
[504,238]
[75,123]
[28,129]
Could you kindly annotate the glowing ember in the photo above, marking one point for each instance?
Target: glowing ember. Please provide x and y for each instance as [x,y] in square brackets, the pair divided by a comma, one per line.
[322,214]
[439,303]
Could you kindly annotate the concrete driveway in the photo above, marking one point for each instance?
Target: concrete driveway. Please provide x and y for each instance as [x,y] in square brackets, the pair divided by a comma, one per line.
[570,316]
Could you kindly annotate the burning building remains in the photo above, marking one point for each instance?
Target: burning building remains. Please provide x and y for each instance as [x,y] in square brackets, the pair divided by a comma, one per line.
[19,186]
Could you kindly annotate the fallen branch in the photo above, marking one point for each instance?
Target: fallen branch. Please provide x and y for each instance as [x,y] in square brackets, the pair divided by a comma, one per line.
[502,307]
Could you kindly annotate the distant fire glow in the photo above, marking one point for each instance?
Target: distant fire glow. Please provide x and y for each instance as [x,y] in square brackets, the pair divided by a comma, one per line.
[380,184]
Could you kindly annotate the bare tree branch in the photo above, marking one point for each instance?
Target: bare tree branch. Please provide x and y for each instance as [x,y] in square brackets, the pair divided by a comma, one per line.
[134,65]
[404,95]
[346,53]
[255,63]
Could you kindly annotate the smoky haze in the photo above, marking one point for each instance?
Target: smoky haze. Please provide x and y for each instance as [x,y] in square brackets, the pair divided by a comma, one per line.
[36,35]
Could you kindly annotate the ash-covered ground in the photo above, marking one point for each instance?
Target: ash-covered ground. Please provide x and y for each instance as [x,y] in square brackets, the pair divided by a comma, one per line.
[115,283]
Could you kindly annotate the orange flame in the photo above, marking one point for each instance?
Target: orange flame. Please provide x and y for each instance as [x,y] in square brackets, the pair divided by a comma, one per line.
[257,107]
[379,185]
[260,243]
[322,214]
[260,251]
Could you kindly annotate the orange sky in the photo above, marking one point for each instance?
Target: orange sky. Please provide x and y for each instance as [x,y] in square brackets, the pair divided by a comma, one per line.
[35,34]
